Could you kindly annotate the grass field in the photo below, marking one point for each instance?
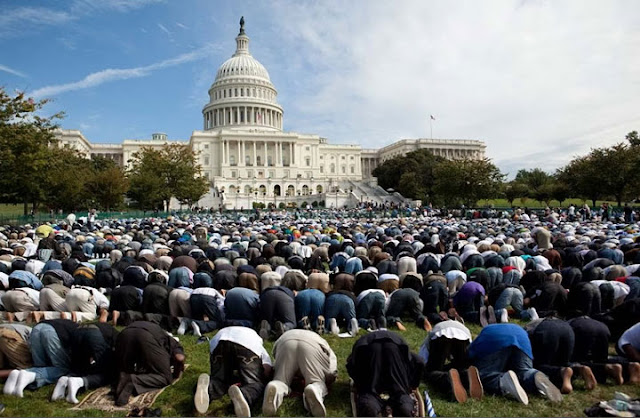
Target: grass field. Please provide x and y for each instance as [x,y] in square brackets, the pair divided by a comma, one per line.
[177,400]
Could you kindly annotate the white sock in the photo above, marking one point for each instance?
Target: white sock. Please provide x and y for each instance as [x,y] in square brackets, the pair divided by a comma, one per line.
[10,384]
[196,329]
[60,389]
[24,380]
[75,383]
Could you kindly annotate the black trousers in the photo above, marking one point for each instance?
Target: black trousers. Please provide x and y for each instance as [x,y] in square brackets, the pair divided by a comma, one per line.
[405,300]
[278,306]
[435,296]
[552,344]
[592,345]
[584,299]
[446,354]
[232,363]
[382,368]
[155,300]
[125,298]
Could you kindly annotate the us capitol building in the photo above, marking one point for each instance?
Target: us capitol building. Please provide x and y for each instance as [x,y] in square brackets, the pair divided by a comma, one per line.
[248,157]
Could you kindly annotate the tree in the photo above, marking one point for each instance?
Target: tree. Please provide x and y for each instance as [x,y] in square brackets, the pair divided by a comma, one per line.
[108,184]
[26,139]
[633,139]
[66,179]
[535,181]
[466,181]
[514,190]
[583,177]
[157,176]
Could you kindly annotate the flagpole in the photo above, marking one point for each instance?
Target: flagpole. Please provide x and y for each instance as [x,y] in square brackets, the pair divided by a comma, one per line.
[431,126]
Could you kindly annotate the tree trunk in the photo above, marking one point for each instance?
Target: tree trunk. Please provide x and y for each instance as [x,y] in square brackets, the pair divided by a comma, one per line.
[25,208]
[594,202]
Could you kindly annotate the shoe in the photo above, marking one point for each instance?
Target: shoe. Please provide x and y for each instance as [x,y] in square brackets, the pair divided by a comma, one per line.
[279,326]
[533,314]
[320,326]
[504,316]
[305,323]
[353,328]
[265,329]
[196,329]
[314,401]
[201,398]
[333,326]
[271,401]
[510,386]
[240,405]
[491,314]
[372,325]
[546,388]
[183,327]
[459,394]
[483,316]
[475,384]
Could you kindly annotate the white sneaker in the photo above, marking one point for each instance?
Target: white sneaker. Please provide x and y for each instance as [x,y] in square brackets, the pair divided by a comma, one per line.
[313,400]
[196,329]
[272,400]
[183,327]
[510,386]
[353,328]
[201,399]
[10,384]
[333,326]
[504,316]
[533,314]
[240,405]
[546,388]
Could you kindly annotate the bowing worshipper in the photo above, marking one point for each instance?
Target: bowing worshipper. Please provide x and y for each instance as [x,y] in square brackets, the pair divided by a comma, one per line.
[147,358]
[406,300]
[14,348]
[207,307]
[380,363]
[309,303]
[240,366]
[23,295]
[305,353]
[92,361]
[370,302]
[277,310]
[502,353]
[448,368]
[340,307]
[50,345]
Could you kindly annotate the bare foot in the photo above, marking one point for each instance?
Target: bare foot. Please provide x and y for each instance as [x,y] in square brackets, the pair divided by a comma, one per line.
[427,325]
[590,382]
[634,372]
[104,315]
[205,318]
[400,326]
[566,374]
[114,317]
[74,317]
[614,371]
[37,316]
[11,316]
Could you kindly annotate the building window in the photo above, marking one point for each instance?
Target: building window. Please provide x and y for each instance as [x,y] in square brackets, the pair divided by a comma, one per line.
[206,176]
[225,94]
[206,160]
[241,92]
[234,174]
[259,160]
[232,160]
[235,93]
[307,161]
[206,146]
[353,169]
[344,170]
[333,168]
[247,160]
[306,148]
[344,158]
[321,169]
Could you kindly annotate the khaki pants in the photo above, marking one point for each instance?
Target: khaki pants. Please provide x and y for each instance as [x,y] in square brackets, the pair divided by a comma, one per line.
[14,351]
[52,301]
[179,305]
[82,303]
[18,301]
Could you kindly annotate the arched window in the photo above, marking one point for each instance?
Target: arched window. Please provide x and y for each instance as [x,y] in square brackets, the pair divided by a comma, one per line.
[305,190]
[333,168]
[232,160]
[319,188]
[291,191]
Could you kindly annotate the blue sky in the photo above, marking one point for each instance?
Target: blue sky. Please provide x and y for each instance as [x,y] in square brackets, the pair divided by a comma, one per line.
[539,81]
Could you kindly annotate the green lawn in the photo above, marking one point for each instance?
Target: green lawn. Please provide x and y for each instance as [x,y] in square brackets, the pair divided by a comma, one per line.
[177,400]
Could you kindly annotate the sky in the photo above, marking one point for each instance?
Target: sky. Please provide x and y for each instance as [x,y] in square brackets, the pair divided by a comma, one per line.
[539,81]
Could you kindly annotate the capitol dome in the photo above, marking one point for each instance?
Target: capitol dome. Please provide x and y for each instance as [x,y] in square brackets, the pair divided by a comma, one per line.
[242,95]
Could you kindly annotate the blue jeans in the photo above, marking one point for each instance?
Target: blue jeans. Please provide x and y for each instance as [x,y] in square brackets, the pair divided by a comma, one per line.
[309,303]
[50,359]
[339,306]
[492,366]
[371,306]
[512,296]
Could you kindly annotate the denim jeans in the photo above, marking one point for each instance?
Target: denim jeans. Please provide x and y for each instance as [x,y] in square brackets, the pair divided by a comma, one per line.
[339,306]
[309,303]
[371,306]
[512,296]
[50,359]
[492,366]
[241,304]
[405,301]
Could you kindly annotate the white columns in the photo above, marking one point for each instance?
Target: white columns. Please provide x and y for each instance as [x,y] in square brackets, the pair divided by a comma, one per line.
[238,154]
[255,155]
[290,154]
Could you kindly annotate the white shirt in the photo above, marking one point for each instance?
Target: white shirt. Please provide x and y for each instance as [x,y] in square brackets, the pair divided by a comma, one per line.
[630,336]
[619,289]
[448,329]
[243,336]
[34,295]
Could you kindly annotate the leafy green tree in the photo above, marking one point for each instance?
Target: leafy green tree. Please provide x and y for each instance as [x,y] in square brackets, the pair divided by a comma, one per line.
[467,181]
[66,180]
[536,181]
[633,138]
[107,185]
[25,140]
[513,190]
[582,175]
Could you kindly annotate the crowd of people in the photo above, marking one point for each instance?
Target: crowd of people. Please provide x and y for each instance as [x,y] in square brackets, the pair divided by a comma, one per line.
[89,305]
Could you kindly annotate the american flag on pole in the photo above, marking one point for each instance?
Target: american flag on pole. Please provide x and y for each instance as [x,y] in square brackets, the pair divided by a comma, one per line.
[432,117]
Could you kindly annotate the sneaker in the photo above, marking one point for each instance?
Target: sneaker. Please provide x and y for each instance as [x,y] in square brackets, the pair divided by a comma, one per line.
[320,326]
[265,329]
[491,314]
[201,399]
[510,386]
[240,405]
[457,390]
[546,388]
[279,326]
[305,323]
[475,384]
[313,400]
[183,326]
[353,328]
[533,314]
[196,329]
[271,401]
[333,326]
[504,316]
[483,316]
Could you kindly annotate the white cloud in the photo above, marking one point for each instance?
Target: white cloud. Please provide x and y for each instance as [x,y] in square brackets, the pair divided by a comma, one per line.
[12,71]
[538,81]
[115,74]
[164,29]
[180,25]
